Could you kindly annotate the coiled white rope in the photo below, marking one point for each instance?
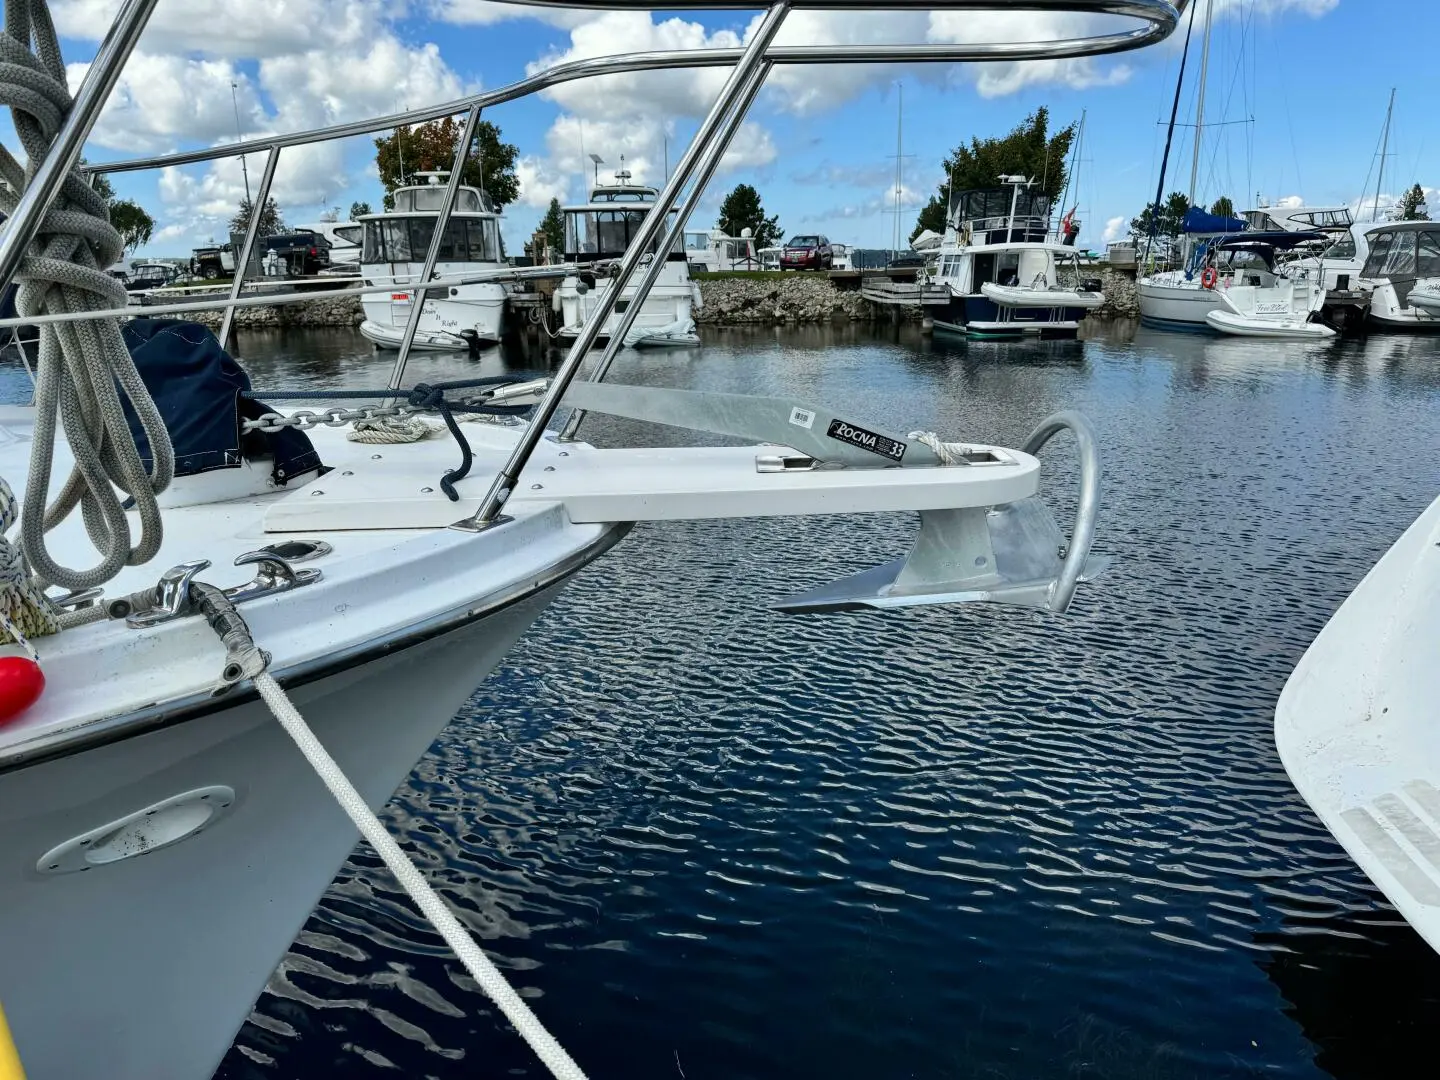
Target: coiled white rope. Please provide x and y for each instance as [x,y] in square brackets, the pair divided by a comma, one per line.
[949,453]
[80,363]
[390,430]
[480,967]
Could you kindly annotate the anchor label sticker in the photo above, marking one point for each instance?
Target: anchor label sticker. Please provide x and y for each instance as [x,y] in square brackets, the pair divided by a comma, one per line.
[802,417]
[867,440]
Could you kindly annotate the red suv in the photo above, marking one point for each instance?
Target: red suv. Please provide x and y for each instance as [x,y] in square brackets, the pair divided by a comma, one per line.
[807,253]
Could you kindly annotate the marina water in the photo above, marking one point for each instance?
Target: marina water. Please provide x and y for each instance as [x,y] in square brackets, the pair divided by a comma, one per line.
[709,841]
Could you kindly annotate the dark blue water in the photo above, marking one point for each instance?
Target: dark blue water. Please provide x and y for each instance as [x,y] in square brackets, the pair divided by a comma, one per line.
[710,841]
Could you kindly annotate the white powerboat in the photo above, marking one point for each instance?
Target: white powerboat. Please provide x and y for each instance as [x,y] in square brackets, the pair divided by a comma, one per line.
[289,604]
[1356,725]
[1402,255]
[456,317]
[1005,275]
[600,231]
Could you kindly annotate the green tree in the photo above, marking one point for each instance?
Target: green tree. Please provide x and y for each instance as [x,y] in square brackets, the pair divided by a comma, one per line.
[1223,207]
[270,220]
[1412,205]
[359,210]
[131,221]
[490,164]
[553,226]
[1029,150]
[742,210]
[1167,221]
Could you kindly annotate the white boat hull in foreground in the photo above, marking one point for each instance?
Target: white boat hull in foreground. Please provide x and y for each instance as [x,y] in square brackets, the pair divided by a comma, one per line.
[1358,725]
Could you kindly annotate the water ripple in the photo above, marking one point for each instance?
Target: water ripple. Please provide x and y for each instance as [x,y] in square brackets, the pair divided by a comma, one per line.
[709,840]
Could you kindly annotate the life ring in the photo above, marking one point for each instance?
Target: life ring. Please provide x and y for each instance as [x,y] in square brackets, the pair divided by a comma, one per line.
[1208,277]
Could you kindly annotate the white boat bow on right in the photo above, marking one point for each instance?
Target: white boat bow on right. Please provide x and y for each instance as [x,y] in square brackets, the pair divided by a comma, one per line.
[1356,725]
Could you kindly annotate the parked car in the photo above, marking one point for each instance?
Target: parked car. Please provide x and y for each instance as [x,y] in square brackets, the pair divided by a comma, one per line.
[212,262]
[807,253]
[302,253]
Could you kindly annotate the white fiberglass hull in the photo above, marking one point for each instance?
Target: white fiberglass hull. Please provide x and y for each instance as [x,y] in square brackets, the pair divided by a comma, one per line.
[445,324]
[158,959]
[1356,725]
[1229,322]
[1183,306]
[1388,310]
[1012,296]
[1425,298]
[666,318]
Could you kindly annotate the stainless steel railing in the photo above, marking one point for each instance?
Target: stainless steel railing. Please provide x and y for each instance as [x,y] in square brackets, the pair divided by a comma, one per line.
[751,64]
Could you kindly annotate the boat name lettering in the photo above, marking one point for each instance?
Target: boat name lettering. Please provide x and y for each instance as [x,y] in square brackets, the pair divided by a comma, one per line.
[866,440]
[1278,307]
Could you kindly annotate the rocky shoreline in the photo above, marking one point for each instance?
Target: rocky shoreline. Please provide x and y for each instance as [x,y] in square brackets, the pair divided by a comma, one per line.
[728,301]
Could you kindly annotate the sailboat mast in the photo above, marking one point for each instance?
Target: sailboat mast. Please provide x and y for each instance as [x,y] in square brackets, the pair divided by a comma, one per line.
[899,161]
[1384,150]
[1200,100]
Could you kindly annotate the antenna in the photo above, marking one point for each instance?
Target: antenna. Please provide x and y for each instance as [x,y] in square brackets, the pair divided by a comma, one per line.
[1384,150]
[900,157]
[623,176]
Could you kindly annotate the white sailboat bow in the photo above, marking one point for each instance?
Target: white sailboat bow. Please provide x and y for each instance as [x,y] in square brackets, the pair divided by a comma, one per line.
[360,567]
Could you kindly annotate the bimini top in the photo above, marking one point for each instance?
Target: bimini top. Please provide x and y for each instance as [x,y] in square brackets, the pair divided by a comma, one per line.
[1281,240]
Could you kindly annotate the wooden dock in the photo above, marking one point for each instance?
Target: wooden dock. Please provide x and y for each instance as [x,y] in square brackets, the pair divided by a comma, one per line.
[885,291]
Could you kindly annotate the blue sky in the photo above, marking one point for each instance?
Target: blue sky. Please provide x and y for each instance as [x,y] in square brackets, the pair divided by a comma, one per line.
[1297,91]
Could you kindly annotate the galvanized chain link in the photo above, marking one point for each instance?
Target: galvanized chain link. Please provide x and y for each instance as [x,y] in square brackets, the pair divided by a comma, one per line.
[306,419]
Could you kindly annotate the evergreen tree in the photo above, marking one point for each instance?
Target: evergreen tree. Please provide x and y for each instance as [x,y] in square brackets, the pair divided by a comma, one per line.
[359,210]
[1167,221]
[1412,205]
[553,226]
[742,210]
[270,221]
[1223,207]
[1029,150]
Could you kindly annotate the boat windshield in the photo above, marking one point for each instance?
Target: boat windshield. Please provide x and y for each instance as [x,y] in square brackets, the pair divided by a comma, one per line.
[1344,248]
[1403,253]
[467,200]
[392,239]
[605,232]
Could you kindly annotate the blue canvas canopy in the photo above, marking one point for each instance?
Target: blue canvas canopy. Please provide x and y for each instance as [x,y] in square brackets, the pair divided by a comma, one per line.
[1198,221]
[197,386]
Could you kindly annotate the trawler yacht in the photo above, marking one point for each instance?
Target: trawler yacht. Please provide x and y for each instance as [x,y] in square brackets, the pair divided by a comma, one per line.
[600,231]
[458,316]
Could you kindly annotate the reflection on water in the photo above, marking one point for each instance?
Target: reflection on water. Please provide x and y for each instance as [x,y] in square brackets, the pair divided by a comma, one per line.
[708,840]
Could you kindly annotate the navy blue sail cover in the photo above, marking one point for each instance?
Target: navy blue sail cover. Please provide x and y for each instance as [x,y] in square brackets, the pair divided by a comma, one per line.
[1198,221]
[197,386]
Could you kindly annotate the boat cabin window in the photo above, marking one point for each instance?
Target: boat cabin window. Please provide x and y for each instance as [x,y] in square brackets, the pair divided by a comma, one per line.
[467,200]
[351,234]
[1392,254]
[602,196]
[603,232]
[1427,254]
[393,240]
[697,241]
[1344,248]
